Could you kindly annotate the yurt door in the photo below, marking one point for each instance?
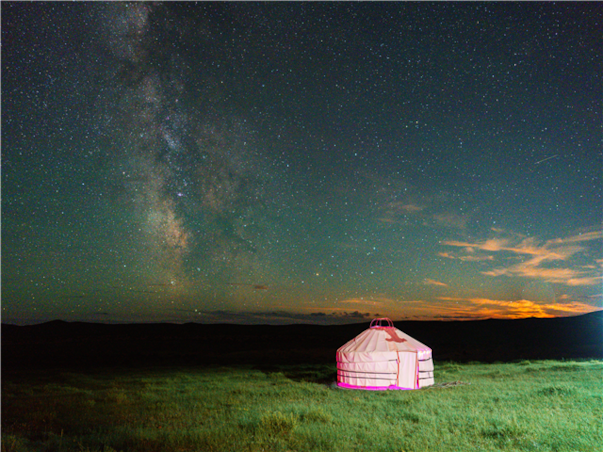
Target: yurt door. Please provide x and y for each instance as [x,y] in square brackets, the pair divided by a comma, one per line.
[407,370]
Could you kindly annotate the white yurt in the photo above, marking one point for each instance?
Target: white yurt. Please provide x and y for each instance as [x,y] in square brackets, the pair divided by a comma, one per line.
[383,357]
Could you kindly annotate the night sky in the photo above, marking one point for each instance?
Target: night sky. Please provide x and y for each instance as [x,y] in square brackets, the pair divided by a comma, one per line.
[301,162]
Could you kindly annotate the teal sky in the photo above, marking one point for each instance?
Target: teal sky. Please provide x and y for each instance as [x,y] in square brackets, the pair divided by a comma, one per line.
[300,162]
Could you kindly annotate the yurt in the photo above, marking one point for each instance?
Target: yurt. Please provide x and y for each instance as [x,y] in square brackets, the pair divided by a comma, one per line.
[383,357]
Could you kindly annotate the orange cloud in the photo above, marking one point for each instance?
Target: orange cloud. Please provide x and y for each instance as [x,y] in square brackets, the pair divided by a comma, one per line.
[446,255]
[539,254]
[584,281]
[593,235]
[476,258]
[488,245]
[470,258]
[433,282]
[364,302]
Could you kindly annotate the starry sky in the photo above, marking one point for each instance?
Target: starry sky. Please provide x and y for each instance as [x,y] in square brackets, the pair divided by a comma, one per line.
[286,162]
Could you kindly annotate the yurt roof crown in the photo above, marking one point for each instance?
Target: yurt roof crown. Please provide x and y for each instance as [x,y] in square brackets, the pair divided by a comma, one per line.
[382,322]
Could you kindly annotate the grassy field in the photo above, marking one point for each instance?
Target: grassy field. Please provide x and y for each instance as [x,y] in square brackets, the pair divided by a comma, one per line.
[525,406]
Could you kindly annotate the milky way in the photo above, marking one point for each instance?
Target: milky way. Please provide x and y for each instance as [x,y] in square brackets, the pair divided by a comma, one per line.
[187,171]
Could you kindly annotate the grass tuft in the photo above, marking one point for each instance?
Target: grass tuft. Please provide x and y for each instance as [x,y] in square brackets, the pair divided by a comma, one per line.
[559,389]
[277,423]
[317,414]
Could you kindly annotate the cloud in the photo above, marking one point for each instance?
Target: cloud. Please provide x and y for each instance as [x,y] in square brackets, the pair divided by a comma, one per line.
[592,235]
[397,207]
[596,300]
[251,286]
[476,258]
[396,212]
[362,301]
[402,212]
[410,207]
[467,258]
[536,257]
[450,220]
[584,281]
[432,282]
[487,245]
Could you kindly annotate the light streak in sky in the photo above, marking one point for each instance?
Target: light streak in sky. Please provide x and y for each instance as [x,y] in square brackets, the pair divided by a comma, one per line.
[548,158]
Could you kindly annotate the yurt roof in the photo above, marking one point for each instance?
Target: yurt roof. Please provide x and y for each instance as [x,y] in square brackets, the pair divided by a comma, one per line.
[382,336]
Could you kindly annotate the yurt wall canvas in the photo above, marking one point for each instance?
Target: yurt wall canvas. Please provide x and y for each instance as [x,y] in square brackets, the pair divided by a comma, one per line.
[383,357]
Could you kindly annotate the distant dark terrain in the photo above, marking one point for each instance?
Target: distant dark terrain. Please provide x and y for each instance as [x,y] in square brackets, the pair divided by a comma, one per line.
[64,345]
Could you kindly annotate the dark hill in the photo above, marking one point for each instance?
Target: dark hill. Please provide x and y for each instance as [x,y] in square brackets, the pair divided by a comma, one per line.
[65,344]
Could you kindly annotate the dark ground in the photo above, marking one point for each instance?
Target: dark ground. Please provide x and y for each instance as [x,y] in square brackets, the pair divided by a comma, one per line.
[60,344]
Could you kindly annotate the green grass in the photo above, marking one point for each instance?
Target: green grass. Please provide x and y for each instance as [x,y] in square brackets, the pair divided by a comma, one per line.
[526,406]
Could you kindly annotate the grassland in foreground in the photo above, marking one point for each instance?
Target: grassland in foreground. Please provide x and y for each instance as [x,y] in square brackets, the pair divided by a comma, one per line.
[525,406]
